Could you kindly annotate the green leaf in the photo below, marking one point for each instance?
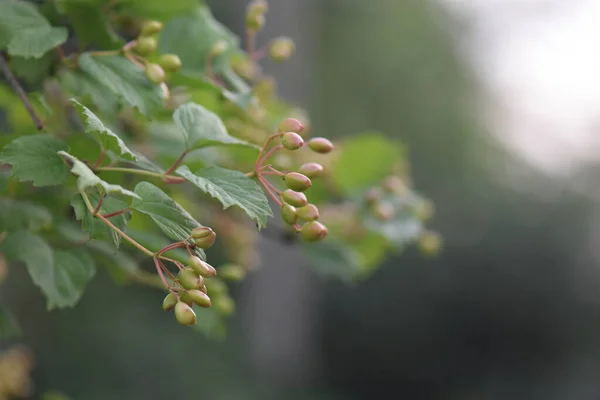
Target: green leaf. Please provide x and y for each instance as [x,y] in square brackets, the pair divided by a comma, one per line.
[34,158]
[231,188]
[91,26]
[125,80]
[84,86]
[332,259]
[34,42]
[87,178]
[364,160]
[192,37]
[31,71]
[155,241]
[9,327]
[107,139]
[62,275]
[155,9]
[170,217]
[95,227]
[17,15]
[19,214]
[404,227]
[203,128]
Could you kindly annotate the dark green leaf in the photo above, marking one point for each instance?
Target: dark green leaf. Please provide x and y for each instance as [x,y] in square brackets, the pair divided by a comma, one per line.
[231,188]
[31,71]
[192,37]
[87,179]
[9,327]
[155,9]
[202,128]
[34,42]
[120,265]
[19,214]
[62,276]
[171,218]
[125,80]
[34,158]
[107,139]
[332,259]
[95,227]
[364,160]
[84,86]
[91,26]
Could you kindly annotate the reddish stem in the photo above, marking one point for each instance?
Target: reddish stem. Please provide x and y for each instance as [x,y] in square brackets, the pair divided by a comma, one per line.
[99,160]
[176,163]
[258,54]
[268,190]
[158,265]
[269,154]
[271,186]
[114,214]
[100,201]
[171,247]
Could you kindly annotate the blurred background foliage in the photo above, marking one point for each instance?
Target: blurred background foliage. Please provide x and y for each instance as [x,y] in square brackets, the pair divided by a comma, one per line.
[509,309]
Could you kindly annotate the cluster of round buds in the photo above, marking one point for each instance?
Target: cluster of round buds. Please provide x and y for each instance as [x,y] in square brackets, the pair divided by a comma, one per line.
[255,15]
[146,44]
[191,286]
[295,206]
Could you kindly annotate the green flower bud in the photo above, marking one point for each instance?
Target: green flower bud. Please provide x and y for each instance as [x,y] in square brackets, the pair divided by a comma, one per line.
[430,243]
[425,211]
[292,141]
[183,296]
[289,214]
[189,279]
[232,272]
[151,27]
[216,287]
[255,22]
[257,7]
[383,212]
[297,182]
[290,125]
[155,73]
[184,314]
[201,268]
[169,302]
[294,198]
[203,289]
[170,62]
[199,298]
[224,305]
[309,212]
[219,48]
[313,231]
[203,236]
[281,49]
[145,45]
[311,170]
[320,145]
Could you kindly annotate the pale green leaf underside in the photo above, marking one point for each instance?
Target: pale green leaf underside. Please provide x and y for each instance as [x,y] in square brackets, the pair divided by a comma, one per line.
[107,139]
[35,42]
[123,79]
[62,275]
[231,188]
[203,128]
[87,179]
[33,158]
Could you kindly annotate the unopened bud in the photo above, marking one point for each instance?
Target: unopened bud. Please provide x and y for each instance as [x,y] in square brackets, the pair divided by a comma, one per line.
[430,243]
[219,48]
[145,45]
[190,279]
[309,212]
[199,297]
[201,268]
[170,62]
[150,28]
[184,314]
[290,125]
[313,231]
[294,198]
[281,49]
[312,170]
[292,141]
[320,145]
[169,302]
[203,236]
[297,182]
[289,214]
[232,272]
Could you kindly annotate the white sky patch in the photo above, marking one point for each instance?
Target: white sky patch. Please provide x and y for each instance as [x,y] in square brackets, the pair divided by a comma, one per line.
[540,60]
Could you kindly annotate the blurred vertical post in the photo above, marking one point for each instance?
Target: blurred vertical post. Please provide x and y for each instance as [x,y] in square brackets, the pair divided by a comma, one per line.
[278,303]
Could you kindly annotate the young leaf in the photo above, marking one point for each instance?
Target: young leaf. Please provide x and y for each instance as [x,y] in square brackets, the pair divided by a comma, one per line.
[192,37]
[378,153]
[96,228]
[34,158]
[203,128]
[19,214]
[25,31]
[9,327]
[107,139]
[87,178]
[231,188]
[62,276]
[120,265]
[125,80]
[170,217]
[34,42]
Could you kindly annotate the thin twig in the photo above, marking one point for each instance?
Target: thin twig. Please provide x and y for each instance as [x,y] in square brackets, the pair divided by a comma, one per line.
[20,92]
[176,163]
